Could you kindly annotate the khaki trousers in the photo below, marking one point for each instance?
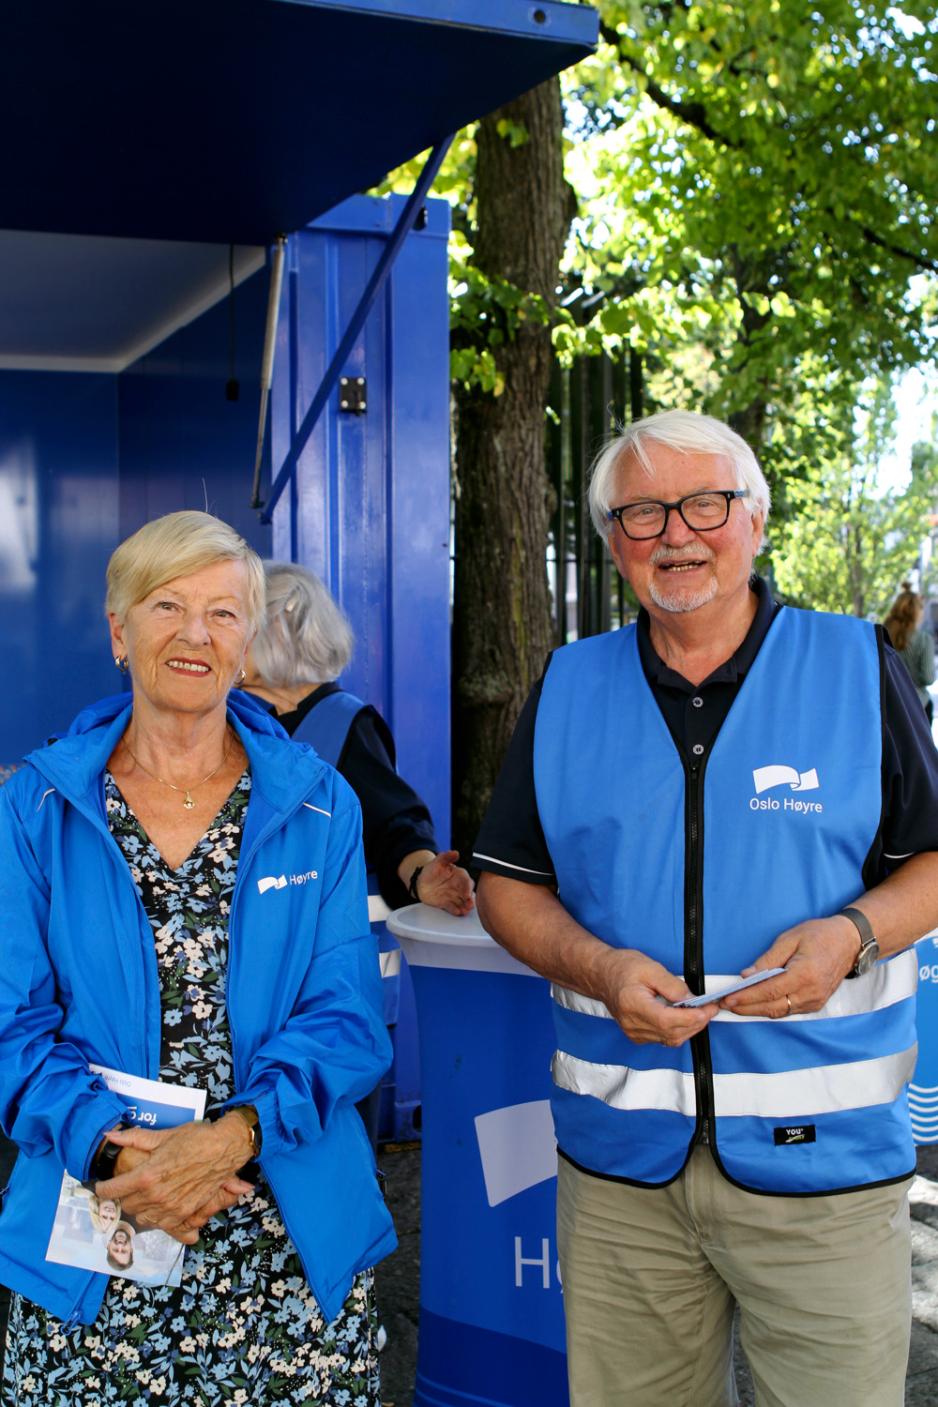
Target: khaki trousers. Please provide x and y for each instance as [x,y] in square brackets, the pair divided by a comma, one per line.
[651,1277]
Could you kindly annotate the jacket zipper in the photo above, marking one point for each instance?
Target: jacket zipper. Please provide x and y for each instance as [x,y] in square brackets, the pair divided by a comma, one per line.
[694,970]
[73,1315]
[243,862]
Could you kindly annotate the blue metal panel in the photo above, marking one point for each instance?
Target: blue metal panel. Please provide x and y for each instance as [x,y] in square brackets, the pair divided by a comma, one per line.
[371,510]
[373,288]
[368,509]
[182,444]
[238,120]
[58,526]
[84,460]
[418,524]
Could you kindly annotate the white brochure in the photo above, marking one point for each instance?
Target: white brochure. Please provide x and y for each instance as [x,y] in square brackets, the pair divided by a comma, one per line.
[752,981]
[99,1235]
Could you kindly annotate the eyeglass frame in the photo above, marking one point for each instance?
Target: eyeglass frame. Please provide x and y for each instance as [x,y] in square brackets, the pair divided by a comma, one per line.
[614,514]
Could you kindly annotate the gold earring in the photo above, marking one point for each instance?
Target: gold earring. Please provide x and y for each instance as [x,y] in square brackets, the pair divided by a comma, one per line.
[121,662]
[244,675]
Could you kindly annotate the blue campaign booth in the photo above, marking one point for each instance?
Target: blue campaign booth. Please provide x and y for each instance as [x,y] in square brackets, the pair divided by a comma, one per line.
[491,1308]
[179,226]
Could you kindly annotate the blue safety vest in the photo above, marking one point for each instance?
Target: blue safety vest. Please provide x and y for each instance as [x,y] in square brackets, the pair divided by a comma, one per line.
[701,867]
[326,727]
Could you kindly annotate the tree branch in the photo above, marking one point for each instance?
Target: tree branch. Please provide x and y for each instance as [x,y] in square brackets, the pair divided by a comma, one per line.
[921,261]
[694,114]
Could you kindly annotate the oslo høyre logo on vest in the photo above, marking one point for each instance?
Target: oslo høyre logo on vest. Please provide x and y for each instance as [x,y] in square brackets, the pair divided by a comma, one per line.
[776,775]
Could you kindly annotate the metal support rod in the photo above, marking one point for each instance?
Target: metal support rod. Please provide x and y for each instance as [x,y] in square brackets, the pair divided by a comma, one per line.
[267,362]
[383,267]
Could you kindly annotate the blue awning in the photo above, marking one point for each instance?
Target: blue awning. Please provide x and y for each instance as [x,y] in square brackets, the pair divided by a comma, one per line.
[235,120]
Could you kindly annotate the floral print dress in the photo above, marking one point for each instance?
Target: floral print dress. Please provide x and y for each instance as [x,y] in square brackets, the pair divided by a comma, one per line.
[243,1326]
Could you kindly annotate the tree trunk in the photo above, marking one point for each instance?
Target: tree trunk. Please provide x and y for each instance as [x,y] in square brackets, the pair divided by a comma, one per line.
[501,627]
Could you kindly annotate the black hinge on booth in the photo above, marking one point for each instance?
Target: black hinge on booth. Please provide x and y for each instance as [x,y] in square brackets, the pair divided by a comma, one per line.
[353,395]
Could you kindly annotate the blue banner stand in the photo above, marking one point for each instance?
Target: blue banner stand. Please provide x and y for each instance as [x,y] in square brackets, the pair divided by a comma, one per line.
[491,1309]
[923,1088]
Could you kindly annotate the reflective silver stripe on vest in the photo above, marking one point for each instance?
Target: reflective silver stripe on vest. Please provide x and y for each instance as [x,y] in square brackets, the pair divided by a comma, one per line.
[623,1088]
[884,985]
[390,963]
[792,1094]
[378,910]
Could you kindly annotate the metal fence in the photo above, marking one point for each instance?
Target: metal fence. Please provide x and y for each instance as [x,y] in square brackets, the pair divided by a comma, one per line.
[587,400]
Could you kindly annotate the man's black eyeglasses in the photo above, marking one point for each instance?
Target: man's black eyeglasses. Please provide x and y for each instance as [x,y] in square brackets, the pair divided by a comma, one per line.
[702,512]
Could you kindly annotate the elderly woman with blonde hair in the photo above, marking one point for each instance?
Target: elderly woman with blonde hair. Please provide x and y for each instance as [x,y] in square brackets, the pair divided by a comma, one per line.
[182,898]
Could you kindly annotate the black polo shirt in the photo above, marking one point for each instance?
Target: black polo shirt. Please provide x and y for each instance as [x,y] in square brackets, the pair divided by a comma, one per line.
[511,841]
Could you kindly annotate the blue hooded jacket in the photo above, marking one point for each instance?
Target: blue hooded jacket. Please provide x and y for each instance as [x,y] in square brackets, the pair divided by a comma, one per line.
[78,984]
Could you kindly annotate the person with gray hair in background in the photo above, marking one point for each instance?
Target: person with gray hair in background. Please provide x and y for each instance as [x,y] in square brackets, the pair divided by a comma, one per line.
[293,665]
[728,789]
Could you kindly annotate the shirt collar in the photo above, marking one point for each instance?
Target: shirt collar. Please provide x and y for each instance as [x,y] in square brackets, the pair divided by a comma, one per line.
[732,669]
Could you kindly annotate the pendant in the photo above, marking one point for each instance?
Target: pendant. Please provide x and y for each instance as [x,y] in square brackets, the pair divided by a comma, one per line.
[188,803]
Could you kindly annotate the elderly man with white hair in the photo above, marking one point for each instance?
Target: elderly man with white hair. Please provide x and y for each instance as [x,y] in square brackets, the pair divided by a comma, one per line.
[727,788]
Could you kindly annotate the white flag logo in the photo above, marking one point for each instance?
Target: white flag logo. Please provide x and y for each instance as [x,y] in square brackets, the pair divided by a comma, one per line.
[517,1147]
[271,882]
[779,776]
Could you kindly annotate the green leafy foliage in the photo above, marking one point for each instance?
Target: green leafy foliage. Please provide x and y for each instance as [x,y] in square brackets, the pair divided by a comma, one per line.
[847,543]
[755,189]
[762,176]
[485,313]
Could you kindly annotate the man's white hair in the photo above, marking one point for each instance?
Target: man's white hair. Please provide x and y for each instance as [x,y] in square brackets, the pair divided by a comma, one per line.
[682,430]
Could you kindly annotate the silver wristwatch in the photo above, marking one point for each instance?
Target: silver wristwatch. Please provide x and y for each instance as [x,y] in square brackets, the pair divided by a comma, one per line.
[869,947]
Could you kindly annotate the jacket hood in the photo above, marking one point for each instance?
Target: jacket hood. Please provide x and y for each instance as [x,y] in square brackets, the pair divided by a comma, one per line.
[74,760]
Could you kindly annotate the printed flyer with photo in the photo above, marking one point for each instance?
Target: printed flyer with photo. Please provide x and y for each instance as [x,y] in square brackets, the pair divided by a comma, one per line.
[96,1234]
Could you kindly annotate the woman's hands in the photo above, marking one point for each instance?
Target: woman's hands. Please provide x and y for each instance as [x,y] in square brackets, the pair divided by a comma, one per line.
[177,1179]
[442,882]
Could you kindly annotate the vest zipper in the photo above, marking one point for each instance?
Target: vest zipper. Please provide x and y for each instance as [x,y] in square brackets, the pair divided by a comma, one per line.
[694,968]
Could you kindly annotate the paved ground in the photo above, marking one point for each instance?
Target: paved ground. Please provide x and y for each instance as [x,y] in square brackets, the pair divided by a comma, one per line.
[398,1284]
[398,1277]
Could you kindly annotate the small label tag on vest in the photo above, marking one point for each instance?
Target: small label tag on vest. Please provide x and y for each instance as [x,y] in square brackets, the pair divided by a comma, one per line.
[795,1133]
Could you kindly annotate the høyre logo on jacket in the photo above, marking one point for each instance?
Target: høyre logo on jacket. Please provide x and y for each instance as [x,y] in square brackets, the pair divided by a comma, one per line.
[779,775]
[281,881]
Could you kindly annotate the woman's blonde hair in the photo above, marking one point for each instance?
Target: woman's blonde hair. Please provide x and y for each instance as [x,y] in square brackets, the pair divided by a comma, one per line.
[94,1207]
[904,616]
[175,545]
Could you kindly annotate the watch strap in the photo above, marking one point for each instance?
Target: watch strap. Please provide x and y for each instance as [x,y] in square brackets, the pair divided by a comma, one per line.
[104,1163]
[250,1116]
[412,886]
[867,937]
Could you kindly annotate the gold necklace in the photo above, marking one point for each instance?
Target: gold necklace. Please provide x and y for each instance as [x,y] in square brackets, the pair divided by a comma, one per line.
[188,803]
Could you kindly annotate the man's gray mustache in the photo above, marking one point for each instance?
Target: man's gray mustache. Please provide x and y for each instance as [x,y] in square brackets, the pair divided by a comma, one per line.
[665,554]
